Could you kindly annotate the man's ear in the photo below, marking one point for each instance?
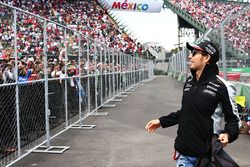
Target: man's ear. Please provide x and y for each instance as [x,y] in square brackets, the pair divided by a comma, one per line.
[207,59]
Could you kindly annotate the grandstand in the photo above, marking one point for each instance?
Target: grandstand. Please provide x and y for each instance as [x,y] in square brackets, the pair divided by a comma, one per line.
[84,16]
[205,15]
[217,20]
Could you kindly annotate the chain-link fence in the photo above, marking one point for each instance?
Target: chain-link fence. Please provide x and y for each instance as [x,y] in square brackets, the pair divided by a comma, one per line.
[52,78]
[178,65]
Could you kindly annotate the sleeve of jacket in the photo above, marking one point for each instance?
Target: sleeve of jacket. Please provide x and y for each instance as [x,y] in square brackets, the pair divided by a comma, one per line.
[170,120]
[232,121]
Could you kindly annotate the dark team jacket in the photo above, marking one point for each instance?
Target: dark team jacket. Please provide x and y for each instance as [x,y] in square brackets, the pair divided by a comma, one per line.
[204,103]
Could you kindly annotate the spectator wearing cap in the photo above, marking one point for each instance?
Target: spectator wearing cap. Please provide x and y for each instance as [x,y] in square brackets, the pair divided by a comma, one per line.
[206,97]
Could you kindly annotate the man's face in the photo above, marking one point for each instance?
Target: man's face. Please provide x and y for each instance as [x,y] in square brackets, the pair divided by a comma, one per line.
[197,60]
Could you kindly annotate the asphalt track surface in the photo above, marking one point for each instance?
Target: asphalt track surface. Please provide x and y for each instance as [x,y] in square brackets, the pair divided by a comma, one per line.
[120,140]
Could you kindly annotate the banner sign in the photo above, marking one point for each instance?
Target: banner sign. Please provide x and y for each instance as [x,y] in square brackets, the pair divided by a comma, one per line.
[241,70]
[150,6]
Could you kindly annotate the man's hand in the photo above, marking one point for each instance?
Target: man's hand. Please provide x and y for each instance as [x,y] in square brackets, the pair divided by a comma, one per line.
[223,137]
[153,125]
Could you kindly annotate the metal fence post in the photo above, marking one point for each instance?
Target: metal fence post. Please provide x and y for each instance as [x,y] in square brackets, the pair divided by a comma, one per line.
[105,75]
[223,49]
[113,73]
[65,80]
[88,74]
[133,71]
[185,63]
[125,72]
[109,75]
[116,73]
[121,72]
[96,75]
[130,71]
[101,76]
[80,99]
[47,111]
[17,86]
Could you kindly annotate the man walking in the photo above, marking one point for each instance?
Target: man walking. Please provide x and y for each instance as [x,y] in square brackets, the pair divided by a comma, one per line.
[206,99]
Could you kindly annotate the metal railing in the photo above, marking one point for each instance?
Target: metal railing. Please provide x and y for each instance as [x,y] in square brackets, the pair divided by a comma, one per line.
[67,79]
[178,65]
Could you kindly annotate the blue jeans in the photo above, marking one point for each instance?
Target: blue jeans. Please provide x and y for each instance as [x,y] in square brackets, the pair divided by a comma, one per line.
[185,161]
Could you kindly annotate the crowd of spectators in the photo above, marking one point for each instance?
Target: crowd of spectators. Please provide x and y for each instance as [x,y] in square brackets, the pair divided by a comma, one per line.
[86,17]
[212,13]
[91,29]
[32,68]
[238,31]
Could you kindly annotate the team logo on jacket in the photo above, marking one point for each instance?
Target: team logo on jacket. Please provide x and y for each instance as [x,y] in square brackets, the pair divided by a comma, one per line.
[187,87]
[206,91]
[212,88]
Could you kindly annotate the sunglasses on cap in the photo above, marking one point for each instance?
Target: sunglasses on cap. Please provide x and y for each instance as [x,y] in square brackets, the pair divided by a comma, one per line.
[195,52]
